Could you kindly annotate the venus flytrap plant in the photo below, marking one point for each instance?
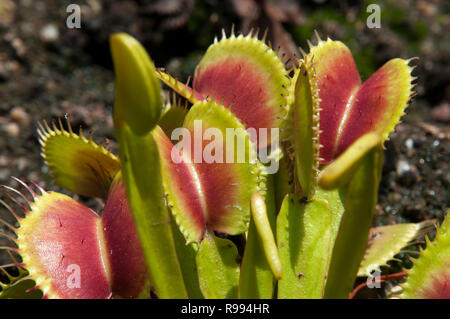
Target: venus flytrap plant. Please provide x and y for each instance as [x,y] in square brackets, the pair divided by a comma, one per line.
[71,252]
[113,263]
[246,76]
[199,208]
[334,109]
[329,111]
[168,209]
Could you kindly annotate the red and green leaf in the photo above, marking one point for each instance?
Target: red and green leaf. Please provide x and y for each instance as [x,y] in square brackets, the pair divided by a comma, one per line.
[379,103]
[183,187]
[245,75]
[350,109]
[57,234]
[71,253]
[213,195]
[129,277]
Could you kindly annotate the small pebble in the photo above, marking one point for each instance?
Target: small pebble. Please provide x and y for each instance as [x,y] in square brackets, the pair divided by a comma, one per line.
[19,115]
[12,129]
[49,33]
[403,167]
[22,163]
[409,144]
[19,47]
[426,8]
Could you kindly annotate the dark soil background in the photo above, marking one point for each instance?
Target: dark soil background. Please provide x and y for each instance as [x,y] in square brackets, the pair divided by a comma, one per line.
[48,70]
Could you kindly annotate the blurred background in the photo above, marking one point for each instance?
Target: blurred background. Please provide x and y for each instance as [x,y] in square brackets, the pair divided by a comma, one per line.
[48,70]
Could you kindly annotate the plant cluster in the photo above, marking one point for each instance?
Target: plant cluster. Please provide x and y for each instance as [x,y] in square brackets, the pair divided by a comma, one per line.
[174,226]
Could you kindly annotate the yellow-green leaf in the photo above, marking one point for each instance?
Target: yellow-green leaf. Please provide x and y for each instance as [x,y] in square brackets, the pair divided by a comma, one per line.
[218,267]
[304,241]
[146,199]
[351,240]
[339,172]
[256,280]
[259,215]
[387,241]
[138,92]
[304,115]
